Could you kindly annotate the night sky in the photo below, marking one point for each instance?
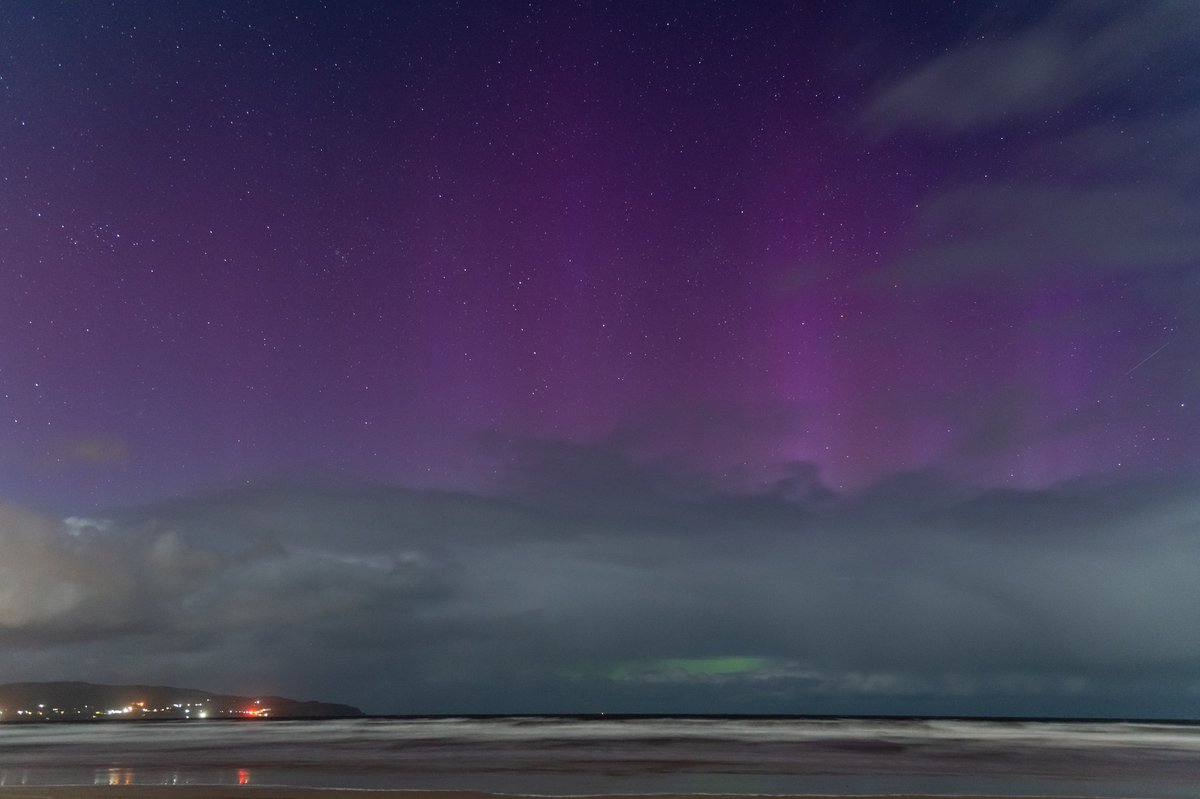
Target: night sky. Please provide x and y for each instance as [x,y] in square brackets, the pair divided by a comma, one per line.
[701,357]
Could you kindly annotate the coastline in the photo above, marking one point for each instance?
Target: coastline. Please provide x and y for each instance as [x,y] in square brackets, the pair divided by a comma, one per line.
[644,759]
[268,792]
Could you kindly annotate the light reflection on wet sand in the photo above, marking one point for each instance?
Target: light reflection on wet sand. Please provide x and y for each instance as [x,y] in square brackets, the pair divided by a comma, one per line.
[641,756]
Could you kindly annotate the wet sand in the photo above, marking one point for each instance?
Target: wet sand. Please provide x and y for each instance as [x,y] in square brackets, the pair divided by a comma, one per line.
[255,792]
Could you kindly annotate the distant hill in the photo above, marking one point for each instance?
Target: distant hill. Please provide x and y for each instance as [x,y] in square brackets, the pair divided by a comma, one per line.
[79,701]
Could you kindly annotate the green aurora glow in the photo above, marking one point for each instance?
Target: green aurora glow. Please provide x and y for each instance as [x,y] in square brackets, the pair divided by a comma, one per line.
[683,667]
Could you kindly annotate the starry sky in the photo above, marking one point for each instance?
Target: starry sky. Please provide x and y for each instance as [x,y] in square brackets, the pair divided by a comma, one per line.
[707,357]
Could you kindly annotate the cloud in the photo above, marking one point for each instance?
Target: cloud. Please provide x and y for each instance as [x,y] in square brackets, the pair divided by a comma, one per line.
[75,579]
[1020,230]
[1091,116]
[1163,147]
[1080,51]
[554,594]
[93,451]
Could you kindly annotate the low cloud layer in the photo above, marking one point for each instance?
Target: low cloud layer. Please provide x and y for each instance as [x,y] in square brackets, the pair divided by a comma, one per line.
[592,581]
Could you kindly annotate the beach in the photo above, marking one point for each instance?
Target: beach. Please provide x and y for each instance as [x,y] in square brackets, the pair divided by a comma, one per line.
[464,758]
[250,792]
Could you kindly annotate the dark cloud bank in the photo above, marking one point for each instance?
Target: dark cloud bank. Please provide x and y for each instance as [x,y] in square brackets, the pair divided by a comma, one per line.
[593,582]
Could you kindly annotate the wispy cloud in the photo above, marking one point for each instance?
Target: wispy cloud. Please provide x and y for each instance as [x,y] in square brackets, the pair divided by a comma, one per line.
[1078,52]
[1071,198]
[93,451]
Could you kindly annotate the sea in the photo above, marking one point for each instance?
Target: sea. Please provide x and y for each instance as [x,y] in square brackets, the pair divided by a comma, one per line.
[608,755]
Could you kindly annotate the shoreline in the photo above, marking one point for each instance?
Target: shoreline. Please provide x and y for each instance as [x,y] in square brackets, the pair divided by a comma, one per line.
[268,792]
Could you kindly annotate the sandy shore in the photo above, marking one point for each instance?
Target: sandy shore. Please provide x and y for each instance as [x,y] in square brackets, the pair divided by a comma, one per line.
[253,792]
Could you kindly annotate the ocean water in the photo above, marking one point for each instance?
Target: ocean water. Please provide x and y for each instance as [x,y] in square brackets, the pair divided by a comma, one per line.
[603,755]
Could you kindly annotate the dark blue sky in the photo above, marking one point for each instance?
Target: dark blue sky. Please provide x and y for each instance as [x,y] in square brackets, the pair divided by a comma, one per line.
[855,344]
